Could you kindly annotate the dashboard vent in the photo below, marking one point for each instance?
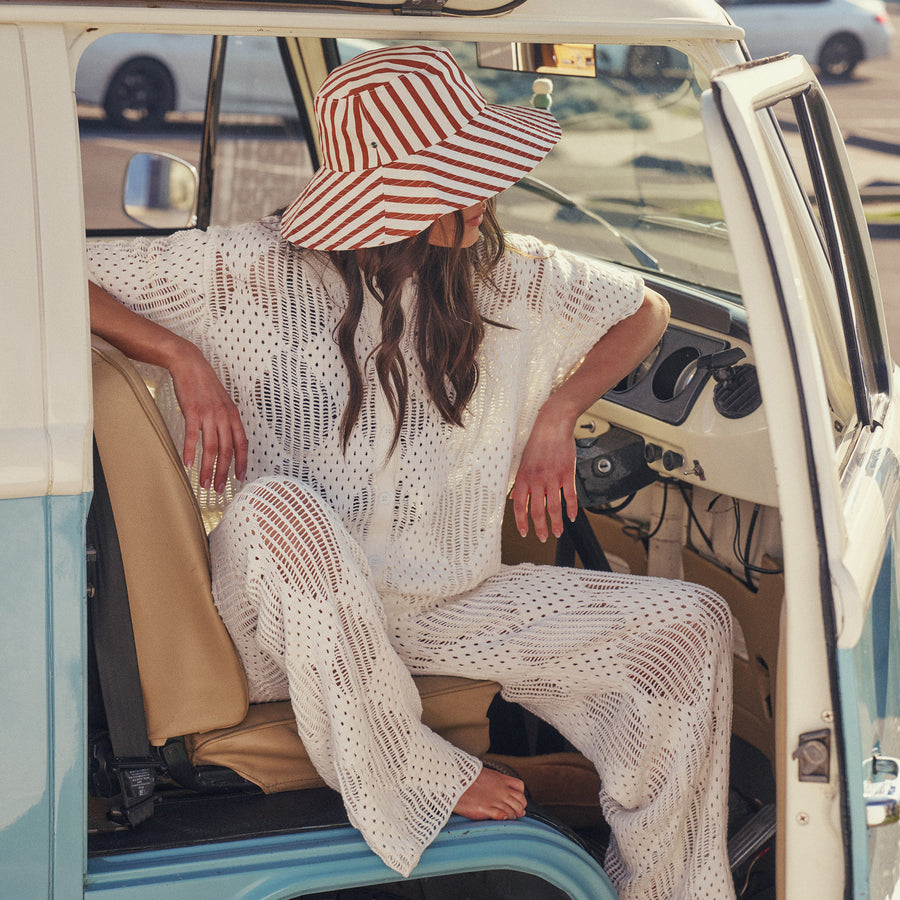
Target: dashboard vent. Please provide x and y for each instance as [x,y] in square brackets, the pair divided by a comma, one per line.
[739,395]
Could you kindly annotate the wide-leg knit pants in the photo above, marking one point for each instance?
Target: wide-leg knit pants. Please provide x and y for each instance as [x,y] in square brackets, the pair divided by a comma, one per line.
[635,672]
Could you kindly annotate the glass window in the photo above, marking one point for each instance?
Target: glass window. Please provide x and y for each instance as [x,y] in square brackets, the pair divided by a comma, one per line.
[843,304]
[136,93]
[147,93]
[262,158]
[631,179]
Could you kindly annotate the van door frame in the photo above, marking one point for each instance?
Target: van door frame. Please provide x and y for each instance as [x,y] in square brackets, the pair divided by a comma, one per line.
[819,828]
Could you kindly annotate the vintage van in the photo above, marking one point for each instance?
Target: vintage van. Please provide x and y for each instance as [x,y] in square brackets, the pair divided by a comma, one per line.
[755,451]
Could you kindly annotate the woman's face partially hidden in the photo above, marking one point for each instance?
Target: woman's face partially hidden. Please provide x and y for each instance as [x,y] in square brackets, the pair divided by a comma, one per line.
[443,232]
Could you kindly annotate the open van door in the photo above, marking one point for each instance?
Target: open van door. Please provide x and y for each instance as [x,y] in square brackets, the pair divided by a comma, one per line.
[814,307]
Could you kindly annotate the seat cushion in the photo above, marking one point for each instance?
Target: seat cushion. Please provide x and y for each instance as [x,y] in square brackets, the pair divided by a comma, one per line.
[266,749]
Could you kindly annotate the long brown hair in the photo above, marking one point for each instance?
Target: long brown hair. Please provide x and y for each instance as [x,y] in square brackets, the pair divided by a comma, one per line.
[449,328]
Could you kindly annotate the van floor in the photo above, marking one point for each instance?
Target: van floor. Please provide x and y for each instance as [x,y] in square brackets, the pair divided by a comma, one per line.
[182,818]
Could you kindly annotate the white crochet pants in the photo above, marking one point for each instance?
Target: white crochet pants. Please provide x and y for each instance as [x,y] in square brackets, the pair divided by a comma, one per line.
[635,672]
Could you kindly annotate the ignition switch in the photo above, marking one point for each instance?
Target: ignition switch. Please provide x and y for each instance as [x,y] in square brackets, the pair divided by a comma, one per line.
[609,467]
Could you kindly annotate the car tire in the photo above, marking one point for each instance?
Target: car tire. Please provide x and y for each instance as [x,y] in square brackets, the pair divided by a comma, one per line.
[140,93]
[840,55]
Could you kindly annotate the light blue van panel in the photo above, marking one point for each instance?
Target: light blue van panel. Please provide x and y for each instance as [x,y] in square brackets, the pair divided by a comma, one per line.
[42,781]
[870,689]
[319,860]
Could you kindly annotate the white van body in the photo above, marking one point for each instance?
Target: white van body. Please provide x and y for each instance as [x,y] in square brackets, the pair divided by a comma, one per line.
[816,463]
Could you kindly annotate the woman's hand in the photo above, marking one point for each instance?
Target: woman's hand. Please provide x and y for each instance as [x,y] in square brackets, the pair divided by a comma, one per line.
[210,413]
[547,467]
[546,472]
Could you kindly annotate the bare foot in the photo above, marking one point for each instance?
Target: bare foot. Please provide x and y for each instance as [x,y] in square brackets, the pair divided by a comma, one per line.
[493,795]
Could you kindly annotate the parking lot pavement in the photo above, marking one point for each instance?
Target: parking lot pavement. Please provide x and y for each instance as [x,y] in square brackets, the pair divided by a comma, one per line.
[876,165]
[867,107]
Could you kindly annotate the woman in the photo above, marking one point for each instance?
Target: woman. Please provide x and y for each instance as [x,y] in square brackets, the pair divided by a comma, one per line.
[378,364]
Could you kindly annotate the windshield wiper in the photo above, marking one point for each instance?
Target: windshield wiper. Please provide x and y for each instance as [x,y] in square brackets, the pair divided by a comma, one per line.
[714,229]
[542,189]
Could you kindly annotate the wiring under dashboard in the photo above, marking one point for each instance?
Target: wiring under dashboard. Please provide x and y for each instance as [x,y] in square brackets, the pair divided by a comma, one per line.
[742,549]
[743,557]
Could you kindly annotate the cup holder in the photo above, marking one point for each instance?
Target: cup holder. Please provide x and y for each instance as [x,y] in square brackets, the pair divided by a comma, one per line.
[675,373]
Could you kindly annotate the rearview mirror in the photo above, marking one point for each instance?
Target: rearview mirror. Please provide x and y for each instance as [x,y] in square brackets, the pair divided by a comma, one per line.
[160,191]
[546,59]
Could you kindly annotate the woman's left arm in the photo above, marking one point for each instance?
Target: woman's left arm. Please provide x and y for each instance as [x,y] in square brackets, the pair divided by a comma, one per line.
[548,460]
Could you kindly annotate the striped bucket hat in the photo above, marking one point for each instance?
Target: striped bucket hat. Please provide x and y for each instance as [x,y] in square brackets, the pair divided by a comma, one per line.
[406,137]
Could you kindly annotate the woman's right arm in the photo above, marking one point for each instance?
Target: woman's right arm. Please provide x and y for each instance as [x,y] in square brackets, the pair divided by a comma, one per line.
[207,407]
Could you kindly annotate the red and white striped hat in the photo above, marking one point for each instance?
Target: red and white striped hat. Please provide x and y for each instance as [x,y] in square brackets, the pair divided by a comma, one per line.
[406,138]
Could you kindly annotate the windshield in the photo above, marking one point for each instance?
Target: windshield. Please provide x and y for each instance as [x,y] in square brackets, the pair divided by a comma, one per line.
[631,180]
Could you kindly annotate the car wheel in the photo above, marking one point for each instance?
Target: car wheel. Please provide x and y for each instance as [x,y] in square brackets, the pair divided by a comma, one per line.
[645,63]
[839,55]
[139,95]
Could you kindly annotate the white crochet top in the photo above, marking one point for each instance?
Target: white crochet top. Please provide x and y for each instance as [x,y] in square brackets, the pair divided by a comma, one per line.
[264,312]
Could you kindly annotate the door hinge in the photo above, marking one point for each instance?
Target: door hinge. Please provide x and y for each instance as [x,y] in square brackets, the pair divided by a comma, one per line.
[813,754]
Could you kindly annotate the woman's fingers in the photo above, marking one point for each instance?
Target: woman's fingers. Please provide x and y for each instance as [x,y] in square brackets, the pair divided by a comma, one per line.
[232,446]
[542,499]
[546,472]
[210,416]
[240,444]
[520,497]
[224,441]
[553,504]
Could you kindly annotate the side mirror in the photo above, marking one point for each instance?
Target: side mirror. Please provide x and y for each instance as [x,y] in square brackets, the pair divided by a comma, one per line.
[160,191]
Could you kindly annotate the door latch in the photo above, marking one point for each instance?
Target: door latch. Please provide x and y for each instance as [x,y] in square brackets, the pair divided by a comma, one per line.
[814,756]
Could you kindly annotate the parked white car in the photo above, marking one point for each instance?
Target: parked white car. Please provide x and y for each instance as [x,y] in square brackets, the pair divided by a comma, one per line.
[834,35]
[139,78]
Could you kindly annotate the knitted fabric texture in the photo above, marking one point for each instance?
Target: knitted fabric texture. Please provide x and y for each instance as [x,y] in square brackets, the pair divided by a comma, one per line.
[340,574]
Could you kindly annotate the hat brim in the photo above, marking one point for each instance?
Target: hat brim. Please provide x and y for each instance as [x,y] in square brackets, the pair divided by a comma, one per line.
[385,204]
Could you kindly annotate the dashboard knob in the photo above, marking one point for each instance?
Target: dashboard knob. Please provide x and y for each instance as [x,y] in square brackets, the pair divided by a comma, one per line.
[652,452]
[672,460]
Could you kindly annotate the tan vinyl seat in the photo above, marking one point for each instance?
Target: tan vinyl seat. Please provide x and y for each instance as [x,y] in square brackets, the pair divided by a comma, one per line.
[192,680]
